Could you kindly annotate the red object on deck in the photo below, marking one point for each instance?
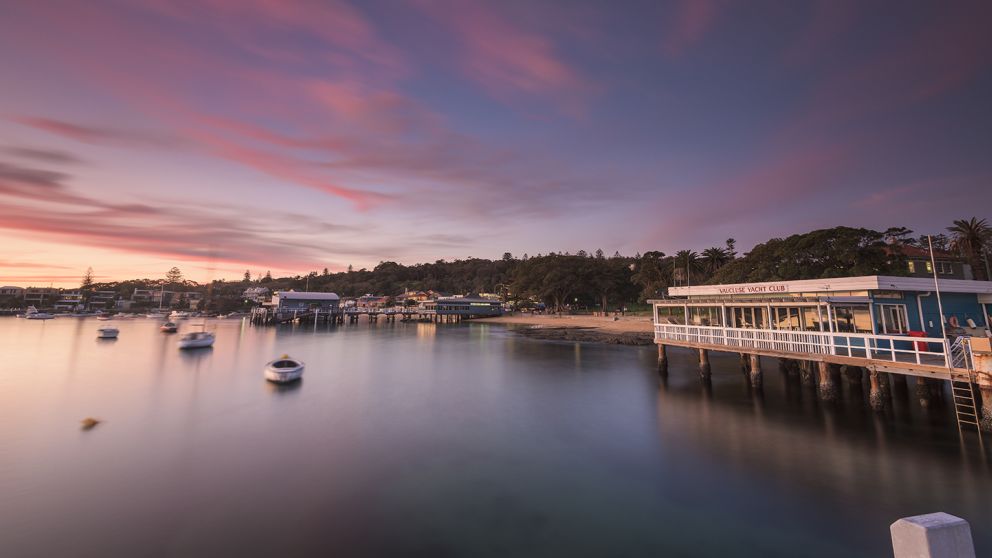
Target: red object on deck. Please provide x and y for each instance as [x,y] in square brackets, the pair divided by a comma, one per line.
[920,345]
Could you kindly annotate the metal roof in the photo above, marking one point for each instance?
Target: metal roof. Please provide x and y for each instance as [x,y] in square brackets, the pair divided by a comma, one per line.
[863,283]
[307,296]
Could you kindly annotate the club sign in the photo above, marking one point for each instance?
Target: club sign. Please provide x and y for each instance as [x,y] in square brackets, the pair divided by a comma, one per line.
[755,289]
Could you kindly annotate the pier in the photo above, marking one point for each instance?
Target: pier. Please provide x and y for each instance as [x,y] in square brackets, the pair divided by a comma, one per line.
[880,327]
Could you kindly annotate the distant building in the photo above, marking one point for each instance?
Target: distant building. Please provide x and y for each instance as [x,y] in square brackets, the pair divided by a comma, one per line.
[415,296]
[40,297]
[371,301]
[256,294]
[468,306]
[918,264]
[70,300]
[12,292]
[292,301]
[99,300]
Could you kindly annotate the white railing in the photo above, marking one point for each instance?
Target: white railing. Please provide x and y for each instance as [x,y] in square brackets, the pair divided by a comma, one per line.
[897,348]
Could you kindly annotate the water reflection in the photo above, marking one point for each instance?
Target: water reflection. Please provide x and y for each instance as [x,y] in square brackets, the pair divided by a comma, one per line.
[456,439]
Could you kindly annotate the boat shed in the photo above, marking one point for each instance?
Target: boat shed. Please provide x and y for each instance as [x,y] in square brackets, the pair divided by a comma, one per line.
[468,306]
[292,301]
[880,305]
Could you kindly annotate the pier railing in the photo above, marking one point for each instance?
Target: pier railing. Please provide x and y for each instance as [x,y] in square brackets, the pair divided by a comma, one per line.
[919,350]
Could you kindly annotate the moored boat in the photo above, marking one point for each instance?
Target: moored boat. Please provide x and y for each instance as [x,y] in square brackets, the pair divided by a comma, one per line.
[196,340]
[32,313]
[169,327]
[284,370]
[107,332]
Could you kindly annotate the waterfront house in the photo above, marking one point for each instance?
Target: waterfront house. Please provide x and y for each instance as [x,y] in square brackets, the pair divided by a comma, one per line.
[370,301]
[40,297]
[284,302]
[99,300]
[468,306]
[70,301]
[11,292]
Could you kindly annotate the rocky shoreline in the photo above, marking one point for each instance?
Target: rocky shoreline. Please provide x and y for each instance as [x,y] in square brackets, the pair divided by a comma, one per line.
[585,335]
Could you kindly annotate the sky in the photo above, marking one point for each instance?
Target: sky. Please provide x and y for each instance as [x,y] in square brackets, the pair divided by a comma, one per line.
[289,136]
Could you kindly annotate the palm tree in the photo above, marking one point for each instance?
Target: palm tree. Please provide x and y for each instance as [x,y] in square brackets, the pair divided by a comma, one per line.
[685,264]
[714,258]
[972,238]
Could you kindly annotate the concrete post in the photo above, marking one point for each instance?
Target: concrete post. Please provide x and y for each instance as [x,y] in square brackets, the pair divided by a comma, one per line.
[756,371]
[826,388]
[875,397]
[934,535]
[704,364]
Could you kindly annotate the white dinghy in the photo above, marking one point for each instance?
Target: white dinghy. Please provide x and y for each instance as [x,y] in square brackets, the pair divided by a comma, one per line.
[284,370]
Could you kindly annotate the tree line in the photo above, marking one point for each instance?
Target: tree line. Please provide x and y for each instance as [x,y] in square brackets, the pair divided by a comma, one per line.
[594,280]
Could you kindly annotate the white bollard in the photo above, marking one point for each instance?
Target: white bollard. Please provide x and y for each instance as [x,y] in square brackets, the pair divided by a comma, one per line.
[934,535]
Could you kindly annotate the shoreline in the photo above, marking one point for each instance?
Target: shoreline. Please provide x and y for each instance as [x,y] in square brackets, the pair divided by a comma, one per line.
[627,330]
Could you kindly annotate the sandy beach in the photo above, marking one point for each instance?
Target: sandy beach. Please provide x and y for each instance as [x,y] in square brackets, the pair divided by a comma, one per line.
[625,324]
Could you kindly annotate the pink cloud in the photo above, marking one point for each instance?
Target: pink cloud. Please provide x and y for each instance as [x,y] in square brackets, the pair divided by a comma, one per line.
[506,59]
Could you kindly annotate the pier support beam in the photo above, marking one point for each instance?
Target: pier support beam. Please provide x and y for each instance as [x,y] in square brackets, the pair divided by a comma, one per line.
[806,373]
[704,364]
[875,397]
[755,374]
[924,392]
[826,386]
[985,421]
[662,359]
[745,363]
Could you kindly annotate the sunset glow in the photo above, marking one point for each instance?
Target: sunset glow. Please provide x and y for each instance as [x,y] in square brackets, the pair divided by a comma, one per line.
[220,136]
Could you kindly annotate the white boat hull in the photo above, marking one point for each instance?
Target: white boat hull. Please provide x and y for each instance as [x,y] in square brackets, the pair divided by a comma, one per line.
[108,333]
[38,316]
[196,343]
[283,375]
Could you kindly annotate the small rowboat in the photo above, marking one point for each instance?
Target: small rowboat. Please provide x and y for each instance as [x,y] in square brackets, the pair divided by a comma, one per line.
[284,370]
[169,327]
[107,332]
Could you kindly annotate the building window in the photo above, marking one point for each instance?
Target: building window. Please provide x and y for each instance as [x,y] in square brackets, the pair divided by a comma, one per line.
[852,319]
[893,318]
[929,267]
[912,266]
[749,317]
[945,268]
[786,318]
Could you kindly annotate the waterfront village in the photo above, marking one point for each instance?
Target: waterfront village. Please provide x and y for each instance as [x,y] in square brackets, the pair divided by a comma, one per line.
[855,302]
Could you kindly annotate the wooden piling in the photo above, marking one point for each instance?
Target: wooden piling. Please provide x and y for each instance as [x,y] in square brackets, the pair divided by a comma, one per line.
[875,397]
[755,373]
[704,364]
[826,387]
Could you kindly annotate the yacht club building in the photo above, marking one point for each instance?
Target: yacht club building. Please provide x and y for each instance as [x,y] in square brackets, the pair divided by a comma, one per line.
[880,305]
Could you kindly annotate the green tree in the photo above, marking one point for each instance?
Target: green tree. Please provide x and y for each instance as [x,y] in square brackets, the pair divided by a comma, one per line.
[247,278]
[713,259]
[174,276]
[87,282]
[825,253]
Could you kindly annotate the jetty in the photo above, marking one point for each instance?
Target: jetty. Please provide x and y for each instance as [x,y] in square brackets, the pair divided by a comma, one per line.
[873,326]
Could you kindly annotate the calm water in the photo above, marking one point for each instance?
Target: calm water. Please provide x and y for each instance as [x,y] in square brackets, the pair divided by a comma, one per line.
[459,440]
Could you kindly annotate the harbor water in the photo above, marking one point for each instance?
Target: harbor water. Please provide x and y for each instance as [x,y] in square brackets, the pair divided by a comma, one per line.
[411,439]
